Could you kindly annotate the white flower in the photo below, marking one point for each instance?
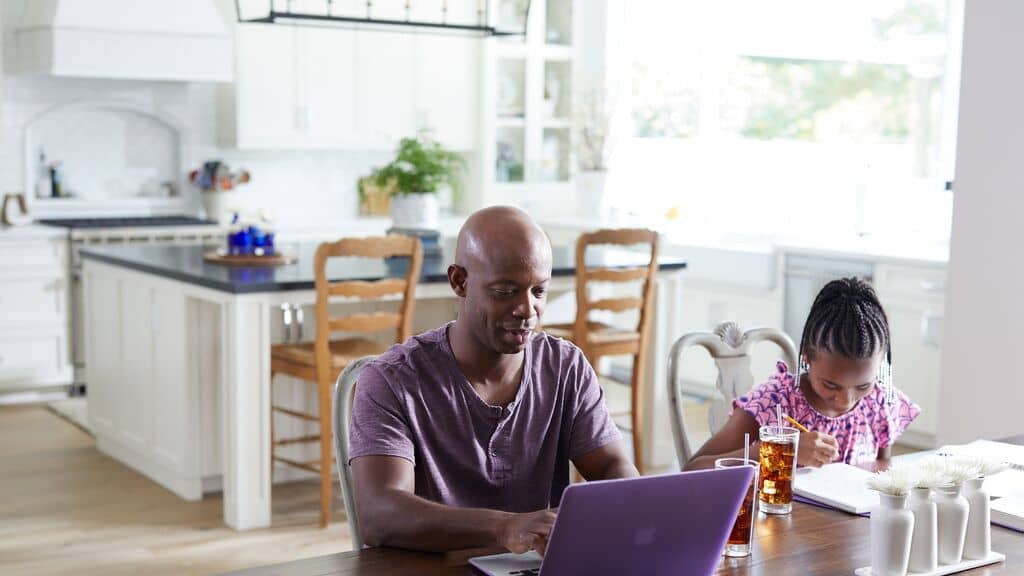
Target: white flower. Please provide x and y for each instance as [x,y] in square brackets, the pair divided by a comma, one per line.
[896,481]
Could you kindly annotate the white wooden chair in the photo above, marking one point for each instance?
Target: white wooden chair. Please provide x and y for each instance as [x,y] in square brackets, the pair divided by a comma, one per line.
[729,347]
[344,393]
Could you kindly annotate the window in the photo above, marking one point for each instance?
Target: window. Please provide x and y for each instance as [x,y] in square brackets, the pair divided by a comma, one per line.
[826,115]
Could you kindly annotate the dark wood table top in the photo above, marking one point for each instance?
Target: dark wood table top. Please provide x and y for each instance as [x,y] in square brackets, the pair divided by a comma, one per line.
[810,540]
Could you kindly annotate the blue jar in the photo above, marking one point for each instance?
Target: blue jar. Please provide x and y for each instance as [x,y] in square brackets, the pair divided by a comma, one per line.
[240,242]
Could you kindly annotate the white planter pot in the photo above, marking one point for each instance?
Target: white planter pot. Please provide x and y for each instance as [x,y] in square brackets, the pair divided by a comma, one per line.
[415,211]
[924,547]
[891,528]
[978,540]
[951,508]
[590,194]
[216,205]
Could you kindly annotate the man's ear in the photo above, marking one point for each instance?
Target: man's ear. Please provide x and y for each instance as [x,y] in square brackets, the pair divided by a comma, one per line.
[457,280]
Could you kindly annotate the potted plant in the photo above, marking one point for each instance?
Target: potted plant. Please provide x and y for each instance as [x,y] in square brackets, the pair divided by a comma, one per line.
[420,169]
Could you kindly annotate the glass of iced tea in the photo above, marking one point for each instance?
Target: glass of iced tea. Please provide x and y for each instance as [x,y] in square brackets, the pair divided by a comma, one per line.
[741,538]
[778,459]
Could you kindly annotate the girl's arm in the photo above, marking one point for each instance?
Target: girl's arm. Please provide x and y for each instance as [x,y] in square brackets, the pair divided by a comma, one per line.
[728,442]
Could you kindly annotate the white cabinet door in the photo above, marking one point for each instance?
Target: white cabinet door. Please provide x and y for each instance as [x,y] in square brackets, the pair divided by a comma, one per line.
[385,66]
[172,418]
[102,347]
[265,86]
[133,413]
[913,297]
[916,354]
[447,91]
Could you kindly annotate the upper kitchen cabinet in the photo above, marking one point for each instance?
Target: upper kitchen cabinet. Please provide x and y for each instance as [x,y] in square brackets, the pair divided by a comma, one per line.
[527,105]
[447,88]
[293,89]
[334,88]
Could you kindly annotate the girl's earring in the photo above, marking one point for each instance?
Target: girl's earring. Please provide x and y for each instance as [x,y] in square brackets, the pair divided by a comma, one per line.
[885,381]
[803,368]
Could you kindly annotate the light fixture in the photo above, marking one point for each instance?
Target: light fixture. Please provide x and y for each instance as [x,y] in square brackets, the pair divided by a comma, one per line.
[474,20]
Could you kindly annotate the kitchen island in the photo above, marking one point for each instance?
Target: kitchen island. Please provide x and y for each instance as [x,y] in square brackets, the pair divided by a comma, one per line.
[178,357]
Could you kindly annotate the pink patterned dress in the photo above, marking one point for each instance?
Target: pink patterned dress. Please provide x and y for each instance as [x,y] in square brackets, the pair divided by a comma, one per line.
[870,426]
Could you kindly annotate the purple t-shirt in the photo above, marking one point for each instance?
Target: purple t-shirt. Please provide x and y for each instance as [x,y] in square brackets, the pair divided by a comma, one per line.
[415,403]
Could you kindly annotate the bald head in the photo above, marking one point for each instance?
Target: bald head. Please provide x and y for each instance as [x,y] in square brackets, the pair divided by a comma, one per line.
[501,273]
[500,235]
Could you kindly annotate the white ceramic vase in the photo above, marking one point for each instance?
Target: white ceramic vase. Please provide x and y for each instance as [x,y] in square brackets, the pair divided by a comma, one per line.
[924,552]
[590,194]
[415,211]
[951,512]
[978,540]
[892,526]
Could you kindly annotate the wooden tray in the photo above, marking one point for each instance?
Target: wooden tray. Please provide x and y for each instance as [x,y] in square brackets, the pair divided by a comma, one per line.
[277,259]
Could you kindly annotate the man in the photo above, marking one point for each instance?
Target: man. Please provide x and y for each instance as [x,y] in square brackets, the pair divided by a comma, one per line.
[461,437]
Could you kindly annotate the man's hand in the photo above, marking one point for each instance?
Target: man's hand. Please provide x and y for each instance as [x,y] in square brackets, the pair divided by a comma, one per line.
[522,532]
[816,449]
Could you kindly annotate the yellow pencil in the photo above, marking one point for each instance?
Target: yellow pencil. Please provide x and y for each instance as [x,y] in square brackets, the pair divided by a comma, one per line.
[799,426]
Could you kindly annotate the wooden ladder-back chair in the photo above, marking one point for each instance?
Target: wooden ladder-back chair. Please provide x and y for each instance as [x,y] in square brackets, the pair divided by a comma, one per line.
[597,339]
[322,360]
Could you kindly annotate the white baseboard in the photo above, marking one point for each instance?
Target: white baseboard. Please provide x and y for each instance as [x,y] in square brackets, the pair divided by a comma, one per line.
[187,488]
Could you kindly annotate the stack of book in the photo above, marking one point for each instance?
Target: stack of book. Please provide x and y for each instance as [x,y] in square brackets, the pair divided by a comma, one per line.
[431,239]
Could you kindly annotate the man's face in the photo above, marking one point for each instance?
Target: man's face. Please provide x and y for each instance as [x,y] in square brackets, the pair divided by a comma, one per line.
[505,294]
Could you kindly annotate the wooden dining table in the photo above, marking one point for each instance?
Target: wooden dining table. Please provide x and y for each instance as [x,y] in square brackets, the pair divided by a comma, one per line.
[809,540]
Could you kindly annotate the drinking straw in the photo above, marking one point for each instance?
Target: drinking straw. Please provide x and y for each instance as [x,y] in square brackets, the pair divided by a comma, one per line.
[746,448]
[778,415]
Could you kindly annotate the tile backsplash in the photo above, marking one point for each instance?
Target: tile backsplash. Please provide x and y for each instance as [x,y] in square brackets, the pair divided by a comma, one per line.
[298,187]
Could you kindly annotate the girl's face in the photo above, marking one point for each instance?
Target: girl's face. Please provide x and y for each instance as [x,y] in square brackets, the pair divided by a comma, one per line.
[837,383]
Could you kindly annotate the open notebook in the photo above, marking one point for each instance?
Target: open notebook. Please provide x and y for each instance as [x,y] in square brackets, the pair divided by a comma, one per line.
[1009,512]
[1011,454]
[836,485]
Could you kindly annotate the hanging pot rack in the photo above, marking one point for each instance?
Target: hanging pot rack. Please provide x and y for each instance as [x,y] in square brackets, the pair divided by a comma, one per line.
[328,18]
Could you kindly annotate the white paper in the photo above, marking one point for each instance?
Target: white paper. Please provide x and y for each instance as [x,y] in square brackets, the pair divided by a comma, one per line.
[839,485]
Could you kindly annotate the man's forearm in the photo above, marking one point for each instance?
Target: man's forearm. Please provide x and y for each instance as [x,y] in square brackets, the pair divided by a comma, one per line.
[619,468]
[400,519]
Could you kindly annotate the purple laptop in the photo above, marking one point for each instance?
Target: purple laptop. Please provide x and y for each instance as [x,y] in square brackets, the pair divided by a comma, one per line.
[672,524]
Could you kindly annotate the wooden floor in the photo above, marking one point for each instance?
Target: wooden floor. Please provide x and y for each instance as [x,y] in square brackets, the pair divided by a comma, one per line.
[65,508]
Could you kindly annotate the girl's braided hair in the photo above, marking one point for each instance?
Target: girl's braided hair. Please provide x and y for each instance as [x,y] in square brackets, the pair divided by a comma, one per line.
[847,319]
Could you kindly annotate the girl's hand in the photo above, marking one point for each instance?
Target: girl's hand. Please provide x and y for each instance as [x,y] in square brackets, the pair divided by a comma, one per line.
[816,449]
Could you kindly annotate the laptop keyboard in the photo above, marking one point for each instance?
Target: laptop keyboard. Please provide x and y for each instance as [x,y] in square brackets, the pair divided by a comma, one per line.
[527,572]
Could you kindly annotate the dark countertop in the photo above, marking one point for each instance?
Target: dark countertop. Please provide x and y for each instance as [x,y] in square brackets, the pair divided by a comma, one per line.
[185,263]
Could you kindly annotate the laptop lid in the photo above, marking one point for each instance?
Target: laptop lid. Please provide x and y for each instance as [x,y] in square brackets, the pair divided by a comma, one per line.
[673,524]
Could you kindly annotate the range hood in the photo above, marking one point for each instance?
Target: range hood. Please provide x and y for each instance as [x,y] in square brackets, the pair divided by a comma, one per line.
[183,40]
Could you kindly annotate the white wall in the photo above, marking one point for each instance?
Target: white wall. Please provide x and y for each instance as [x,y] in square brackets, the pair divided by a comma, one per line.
[982,392]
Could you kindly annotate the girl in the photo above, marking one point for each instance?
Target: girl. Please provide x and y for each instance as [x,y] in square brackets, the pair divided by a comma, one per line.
[842,391]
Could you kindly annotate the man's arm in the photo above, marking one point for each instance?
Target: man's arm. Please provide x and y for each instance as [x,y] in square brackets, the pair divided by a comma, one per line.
[604,463]
[390,514]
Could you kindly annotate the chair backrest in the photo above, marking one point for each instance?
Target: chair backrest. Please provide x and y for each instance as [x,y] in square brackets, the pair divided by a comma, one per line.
[370,247]
[729,347]
[586,274]
[344,393]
